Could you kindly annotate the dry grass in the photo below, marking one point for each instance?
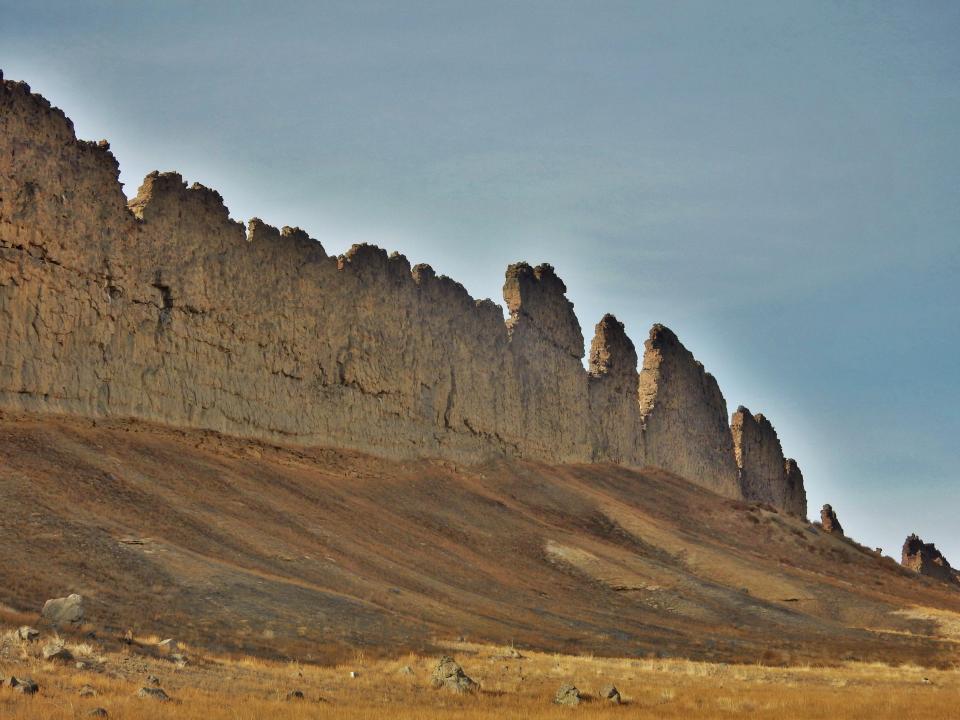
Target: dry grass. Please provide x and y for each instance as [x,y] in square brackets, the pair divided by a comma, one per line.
[246,688]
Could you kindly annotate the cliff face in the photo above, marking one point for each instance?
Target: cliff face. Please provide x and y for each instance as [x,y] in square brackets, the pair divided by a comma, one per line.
[765,476]
[685,416]
[167,310]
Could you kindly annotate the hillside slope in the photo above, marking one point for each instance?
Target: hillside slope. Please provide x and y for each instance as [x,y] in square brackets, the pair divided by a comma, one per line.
[240,545]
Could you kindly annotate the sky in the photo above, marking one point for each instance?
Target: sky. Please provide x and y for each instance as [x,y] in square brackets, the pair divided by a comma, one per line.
[775,181]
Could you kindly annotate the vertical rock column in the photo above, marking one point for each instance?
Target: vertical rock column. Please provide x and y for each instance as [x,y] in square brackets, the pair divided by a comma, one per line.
[765,475]
[684,415]
[616,428]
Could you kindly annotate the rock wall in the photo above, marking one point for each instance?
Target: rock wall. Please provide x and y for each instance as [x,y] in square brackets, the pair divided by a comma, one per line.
[165,309]
[685,416]
[615,422]
[765,476]
[924,558]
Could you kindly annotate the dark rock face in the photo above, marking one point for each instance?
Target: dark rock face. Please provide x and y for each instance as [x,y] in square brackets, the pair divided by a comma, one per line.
[829,520]
[925,559]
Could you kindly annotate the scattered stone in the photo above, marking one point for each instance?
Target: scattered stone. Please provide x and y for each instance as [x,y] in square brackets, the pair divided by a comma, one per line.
[80,665]
[26,633]
[448,674]
[153,680]
[406,670]
[24,685]
[925,559]
[153,693]
[87,691]
[168,647]
[354,674]
[611,694]
[828,518]
[127,637]
[568,695]
[56,651]
[63,611]
[98,712]
[179,659]
[295,695]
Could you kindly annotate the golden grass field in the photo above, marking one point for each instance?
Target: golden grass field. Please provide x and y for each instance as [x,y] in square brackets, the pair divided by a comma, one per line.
[212,687]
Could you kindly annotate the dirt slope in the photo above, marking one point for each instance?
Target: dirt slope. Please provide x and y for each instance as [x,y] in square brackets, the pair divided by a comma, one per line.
[239,545]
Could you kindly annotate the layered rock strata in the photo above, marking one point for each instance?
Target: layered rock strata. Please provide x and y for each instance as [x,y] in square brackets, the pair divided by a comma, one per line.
[764,475]
[163,308]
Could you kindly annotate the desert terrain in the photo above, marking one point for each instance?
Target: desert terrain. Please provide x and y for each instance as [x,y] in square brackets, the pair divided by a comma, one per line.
[280,569]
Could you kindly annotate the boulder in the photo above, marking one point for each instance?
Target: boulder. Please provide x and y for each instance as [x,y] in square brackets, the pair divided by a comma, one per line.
[295,695]
[98,712]
[828,518]
[153,693]
[63,611]
[611,695]
[26,633]
[448,674]
[568,695]
[56,651]
[24,685]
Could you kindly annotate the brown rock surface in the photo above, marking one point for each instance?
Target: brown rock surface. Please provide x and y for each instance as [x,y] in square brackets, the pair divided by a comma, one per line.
[617,429]
[828,518]
[924,558]
[165,309]
[765,475]
[685,416]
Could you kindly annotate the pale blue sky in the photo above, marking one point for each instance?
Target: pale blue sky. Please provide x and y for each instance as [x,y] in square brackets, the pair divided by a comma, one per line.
[777,182]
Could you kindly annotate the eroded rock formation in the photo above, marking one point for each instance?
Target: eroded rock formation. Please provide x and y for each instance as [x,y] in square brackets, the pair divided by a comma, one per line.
[166,309]
[764,474]
[924,558]
[828,518]
[685,416]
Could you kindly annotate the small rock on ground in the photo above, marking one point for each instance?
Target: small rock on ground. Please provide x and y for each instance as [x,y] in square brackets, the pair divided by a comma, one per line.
[87,691]
[611,694]
[448,674]
[63,611]
[24,685]
[98,712]
[56,651]
[154,693]
[568,695]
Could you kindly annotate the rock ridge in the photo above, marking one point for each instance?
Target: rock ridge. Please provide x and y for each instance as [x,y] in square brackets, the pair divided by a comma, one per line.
[166,309]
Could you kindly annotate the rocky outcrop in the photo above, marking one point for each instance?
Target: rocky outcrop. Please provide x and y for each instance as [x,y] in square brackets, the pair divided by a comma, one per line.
[765,476]
[795,494]
[685,416]
[829,521]
[925,559]
[615,422]
[165,309]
